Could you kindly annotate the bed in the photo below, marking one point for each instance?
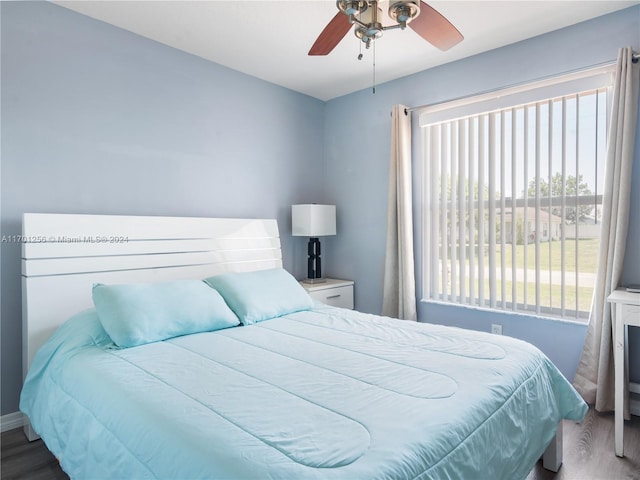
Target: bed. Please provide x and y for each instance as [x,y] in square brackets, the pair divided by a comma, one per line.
[127,382]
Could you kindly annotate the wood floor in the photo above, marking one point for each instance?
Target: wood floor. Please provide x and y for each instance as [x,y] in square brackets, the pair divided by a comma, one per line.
[26,460]
[589,451]
[588,454]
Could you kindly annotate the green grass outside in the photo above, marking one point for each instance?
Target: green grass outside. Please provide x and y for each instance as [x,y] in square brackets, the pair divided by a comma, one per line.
[552,251]
[550,295]
[550,256]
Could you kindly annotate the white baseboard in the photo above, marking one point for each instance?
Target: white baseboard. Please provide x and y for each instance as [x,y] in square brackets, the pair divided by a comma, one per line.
[11,421]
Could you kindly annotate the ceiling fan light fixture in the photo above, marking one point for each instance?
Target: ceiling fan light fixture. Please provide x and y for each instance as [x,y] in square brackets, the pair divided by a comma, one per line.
[366,34]
[369,27]
[352,7]
[404,11]
[365,15]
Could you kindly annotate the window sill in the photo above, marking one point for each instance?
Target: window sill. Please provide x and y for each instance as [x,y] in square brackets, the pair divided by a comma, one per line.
[531,316]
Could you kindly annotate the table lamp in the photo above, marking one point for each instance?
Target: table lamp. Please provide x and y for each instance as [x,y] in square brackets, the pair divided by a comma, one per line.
[313,221]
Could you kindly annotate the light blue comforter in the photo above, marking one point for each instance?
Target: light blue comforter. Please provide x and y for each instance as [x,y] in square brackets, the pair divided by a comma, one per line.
[323,394]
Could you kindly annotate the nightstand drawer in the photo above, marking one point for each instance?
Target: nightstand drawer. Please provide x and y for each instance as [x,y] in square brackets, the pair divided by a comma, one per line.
[336,296]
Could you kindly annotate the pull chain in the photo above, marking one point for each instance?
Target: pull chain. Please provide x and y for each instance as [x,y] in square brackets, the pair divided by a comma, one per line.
[374,67]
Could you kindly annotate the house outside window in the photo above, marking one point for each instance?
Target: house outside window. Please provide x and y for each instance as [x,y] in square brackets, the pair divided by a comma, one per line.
[511,196]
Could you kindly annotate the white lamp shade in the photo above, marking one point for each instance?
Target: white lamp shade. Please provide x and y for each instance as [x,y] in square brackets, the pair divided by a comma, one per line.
[312,220]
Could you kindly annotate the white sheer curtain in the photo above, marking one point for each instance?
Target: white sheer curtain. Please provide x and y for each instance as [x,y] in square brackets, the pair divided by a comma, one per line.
[595,376]
[399,292]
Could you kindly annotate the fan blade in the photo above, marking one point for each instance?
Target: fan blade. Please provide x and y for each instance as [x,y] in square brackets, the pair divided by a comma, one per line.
[435,29]
[335,31]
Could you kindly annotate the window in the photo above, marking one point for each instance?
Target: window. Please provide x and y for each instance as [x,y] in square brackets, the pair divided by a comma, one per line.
[511,196]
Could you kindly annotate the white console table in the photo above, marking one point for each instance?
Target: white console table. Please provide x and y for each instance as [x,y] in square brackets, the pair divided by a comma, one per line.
[627,305]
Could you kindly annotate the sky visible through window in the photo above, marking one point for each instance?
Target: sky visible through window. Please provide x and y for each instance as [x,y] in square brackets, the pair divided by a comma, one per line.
[591,128]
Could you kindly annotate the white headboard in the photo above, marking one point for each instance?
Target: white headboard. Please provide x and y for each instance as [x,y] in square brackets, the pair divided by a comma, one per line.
[64,255]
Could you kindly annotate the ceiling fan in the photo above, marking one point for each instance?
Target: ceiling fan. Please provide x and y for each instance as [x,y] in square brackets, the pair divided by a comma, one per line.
[366,16]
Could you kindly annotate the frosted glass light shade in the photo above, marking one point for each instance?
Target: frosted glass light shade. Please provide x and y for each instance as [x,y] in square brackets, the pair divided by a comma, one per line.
[313,220]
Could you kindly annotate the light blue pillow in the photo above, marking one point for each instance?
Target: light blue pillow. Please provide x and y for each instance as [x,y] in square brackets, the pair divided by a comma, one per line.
[139,313]
[261,295]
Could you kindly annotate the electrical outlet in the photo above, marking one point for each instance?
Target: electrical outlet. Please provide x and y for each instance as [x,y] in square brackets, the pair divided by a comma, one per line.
[496,328]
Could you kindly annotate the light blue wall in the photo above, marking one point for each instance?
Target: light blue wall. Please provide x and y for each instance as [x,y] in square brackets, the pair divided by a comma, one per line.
[98,120]
[357,143]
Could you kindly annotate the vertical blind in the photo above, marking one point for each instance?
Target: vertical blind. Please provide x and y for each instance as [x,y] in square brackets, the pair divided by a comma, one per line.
[511,203]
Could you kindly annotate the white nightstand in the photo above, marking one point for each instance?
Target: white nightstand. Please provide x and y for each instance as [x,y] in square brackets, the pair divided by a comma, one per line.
[334,292]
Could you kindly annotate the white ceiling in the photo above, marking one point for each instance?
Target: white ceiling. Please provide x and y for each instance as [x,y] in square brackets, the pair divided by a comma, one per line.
[269,39]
